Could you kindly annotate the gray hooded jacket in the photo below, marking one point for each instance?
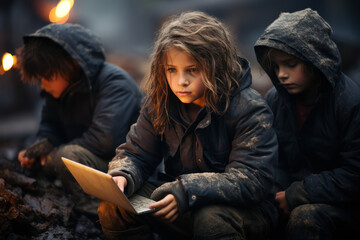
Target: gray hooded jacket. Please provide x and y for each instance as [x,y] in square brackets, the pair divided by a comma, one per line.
[95,112]
[320,163]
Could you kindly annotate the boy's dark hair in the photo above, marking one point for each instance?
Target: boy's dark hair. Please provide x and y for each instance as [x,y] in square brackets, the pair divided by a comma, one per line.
[43,58]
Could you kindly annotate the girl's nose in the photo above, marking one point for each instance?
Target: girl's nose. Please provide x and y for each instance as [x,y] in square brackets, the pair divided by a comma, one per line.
[183,81]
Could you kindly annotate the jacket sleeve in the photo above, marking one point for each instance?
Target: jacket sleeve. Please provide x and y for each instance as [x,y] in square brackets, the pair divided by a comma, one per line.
[117,106]
[137,159]
[248,177]
[339,185]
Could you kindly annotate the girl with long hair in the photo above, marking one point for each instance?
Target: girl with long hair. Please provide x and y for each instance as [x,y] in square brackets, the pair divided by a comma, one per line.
[211,134]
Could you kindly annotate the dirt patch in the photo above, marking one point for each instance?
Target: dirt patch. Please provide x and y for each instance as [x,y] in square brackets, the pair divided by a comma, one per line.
[32,206]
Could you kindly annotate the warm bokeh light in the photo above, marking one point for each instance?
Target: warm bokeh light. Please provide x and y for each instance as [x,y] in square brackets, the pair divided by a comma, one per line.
[63,8]
[8,61]
[60,13]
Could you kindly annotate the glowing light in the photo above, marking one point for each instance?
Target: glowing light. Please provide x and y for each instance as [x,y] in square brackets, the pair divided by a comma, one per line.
[63,8]
[8,61]
[60,13]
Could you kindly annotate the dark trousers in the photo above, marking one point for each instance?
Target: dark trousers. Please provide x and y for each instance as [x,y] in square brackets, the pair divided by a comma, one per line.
[55,167]
[320,221]
[208,222]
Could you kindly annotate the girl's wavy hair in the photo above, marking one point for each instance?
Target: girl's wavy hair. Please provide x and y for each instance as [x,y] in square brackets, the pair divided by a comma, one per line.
[209,43]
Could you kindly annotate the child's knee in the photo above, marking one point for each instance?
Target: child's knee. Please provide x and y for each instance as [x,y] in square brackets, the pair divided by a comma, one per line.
[69,151]
[107,213]
[305,217]
[113,217]
[211,222]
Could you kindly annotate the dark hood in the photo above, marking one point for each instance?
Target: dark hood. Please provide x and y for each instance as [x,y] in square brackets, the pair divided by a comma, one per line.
[79,42]
[245,79]
[306,35]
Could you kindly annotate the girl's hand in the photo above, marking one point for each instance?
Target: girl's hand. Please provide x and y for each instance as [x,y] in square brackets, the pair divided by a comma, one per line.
[281,200]
[121,182]
[25,162]
[168,209]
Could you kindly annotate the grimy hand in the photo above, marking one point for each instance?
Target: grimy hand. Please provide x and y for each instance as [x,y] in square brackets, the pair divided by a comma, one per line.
[121,182]
[38,149]
[168,209]
[25,162]
[281,200]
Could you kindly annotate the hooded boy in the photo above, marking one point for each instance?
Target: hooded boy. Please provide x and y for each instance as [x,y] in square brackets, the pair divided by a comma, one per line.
[89,103]
[317,120]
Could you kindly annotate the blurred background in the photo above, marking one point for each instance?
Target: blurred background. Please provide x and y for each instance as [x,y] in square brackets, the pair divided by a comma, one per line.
[128,28]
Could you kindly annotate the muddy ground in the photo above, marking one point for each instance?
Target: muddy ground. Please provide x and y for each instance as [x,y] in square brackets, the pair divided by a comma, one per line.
[33,206]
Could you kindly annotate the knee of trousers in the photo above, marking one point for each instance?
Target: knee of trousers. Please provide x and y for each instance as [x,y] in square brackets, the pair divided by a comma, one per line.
[211,221]
[72,152]
[55,165]
[69,151]
[107,213]
[53,159]
[112,217]
[306,216]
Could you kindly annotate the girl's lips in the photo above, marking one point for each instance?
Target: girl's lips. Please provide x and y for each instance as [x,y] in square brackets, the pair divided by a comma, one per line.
[184,93]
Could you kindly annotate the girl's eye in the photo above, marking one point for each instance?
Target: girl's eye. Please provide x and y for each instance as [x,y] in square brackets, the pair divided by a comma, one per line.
[193,70]
[171,70]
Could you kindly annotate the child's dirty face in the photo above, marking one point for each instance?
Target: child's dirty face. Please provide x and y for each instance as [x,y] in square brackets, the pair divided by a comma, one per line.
[291,72]
[184,77]
[54,86]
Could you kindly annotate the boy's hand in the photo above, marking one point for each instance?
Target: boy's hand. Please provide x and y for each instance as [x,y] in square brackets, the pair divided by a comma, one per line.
[40,148]
[168,209]
[25,162]
[281,200]
[121,182]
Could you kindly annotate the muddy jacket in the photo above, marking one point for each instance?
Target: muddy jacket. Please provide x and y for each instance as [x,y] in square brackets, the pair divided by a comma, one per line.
[320,163]
[96,111]
[233,155]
